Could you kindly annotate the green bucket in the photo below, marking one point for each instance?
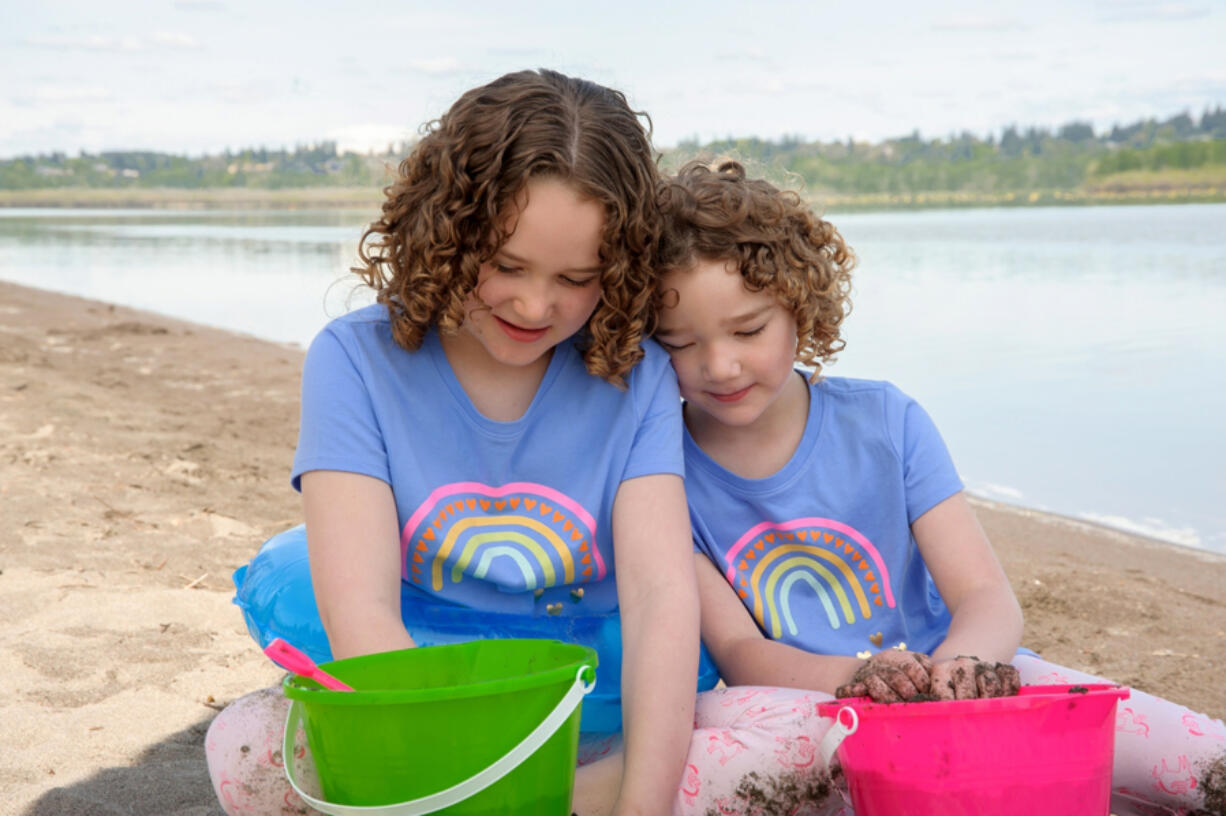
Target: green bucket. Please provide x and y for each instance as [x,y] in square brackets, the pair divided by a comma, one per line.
[489,726]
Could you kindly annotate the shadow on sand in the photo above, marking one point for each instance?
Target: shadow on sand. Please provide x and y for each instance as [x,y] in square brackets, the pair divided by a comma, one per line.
[169,779]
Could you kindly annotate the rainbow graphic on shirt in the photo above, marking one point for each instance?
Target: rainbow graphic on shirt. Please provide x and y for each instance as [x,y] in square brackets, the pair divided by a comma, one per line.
[841,566]
[522,536]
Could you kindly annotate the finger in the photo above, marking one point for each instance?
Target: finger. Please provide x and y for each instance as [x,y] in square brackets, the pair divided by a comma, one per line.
[881,691]
[986,681]
[963,679]
[942,686]
[853,689]
[917,674]
[902,685]
[925,662]
[1010,679]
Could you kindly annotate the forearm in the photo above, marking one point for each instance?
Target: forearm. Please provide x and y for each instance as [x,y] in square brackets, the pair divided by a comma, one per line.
[364,629]
[986,624]
[660,666]
[355,562]
[762,662]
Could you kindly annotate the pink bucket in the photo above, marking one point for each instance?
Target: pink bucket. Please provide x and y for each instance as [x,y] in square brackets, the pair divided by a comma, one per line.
[1048,750]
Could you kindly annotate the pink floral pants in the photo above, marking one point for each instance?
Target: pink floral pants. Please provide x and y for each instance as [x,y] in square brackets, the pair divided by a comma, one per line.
[755,751]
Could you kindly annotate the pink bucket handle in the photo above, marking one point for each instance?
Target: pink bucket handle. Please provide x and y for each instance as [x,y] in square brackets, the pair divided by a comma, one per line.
[838,732]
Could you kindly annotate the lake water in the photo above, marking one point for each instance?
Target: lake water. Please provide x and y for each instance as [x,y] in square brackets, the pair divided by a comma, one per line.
[1074,358]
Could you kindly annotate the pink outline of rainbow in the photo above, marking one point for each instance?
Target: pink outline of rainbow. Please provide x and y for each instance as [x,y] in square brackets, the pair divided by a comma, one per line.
[766,527]
[427,507]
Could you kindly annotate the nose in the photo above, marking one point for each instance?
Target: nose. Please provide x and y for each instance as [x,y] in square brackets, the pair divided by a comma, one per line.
[533,301]
[721,363]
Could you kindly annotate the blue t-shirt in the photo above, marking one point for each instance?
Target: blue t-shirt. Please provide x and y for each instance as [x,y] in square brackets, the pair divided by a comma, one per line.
[821,552]
[510,517]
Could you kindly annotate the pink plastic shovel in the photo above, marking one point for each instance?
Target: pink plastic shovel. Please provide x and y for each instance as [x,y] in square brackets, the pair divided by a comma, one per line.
[290,659]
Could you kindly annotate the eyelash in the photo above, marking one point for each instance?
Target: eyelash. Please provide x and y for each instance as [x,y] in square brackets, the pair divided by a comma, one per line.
[750,333]
[511,270]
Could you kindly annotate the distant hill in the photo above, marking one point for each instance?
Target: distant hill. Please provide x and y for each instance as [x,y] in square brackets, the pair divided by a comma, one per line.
[1180,159]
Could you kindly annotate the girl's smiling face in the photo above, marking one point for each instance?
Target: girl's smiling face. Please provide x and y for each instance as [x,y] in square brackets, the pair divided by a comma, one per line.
[543,284]
[733,349]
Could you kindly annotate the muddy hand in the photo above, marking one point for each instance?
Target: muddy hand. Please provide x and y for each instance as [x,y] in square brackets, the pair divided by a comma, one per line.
[955,679]
[890,677]
[997,680]
[968,678]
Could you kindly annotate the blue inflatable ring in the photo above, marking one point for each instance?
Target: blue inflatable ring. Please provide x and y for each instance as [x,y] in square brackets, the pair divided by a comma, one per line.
[274,591]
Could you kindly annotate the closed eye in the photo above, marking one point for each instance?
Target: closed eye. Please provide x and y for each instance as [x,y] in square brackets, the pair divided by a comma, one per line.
[673,346]
[579,282]
[751,332]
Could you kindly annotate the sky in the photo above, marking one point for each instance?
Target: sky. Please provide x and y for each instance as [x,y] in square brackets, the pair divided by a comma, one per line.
[199,76]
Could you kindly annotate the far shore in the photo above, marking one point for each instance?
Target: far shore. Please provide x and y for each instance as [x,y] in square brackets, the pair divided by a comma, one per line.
[1128,189]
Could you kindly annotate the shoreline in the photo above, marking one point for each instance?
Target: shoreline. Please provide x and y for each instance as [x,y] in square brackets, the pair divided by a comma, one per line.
[1077,522]
[143,458]
[362,198]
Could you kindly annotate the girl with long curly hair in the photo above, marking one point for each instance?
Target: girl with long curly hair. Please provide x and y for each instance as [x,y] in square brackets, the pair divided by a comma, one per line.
[500,396]
[838,553]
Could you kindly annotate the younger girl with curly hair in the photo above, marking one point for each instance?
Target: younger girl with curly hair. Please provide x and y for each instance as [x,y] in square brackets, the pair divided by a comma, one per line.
[505,362]
[839,555]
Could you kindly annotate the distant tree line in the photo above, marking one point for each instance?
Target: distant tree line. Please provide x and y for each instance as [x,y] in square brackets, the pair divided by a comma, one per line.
[307,165]
[1064,158]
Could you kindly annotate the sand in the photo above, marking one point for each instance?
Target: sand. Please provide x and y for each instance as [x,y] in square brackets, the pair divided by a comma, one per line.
[143,459]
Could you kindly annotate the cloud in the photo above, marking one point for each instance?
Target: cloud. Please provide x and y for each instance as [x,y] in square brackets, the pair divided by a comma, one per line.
[200,5]
[96,42]
[1149,11]
[93,42]
[436,66]
[366,136]
[174,39]
[978,24]
[50,95]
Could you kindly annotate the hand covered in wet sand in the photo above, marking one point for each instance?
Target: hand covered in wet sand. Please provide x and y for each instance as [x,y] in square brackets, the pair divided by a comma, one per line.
[967,678]
[891,676]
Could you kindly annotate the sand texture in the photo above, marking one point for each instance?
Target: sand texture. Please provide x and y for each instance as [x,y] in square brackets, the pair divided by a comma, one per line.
[143,459]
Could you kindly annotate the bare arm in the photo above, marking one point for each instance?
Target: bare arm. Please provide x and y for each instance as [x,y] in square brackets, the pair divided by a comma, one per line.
[355,561]
[987,621]
[659,612]
[746,657]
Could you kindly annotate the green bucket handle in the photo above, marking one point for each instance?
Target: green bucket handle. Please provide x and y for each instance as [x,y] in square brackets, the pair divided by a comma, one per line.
[461,790]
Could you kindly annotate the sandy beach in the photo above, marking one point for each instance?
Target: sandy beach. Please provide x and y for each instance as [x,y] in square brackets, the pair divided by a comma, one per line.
[143,459]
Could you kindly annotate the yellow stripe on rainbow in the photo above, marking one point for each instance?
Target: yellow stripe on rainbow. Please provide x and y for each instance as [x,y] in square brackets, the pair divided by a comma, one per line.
[456,530]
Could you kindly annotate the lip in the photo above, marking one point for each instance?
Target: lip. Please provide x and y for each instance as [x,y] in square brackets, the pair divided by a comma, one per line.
[520,334]
[735,396]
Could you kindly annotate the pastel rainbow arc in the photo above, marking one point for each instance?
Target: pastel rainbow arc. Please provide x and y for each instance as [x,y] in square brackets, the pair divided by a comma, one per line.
[765,527]
[454,532]
[800,575]
[532,489]
[501,536]
[806,559]
[515,555]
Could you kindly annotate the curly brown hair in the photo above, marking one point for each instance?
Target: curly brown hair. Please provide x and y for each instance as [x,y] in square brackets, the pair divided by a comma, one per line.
[776,242]
[445,214]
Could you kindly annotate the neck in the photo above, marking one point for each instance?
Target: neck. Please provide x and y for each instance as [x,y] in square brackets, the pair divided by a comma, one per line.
[762,447]
[498,391]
